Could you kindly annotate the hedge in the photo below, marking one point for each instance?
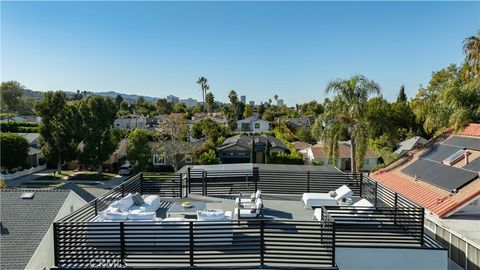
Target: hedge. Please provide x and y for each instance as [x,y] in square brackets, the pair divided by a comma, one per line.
[19,127]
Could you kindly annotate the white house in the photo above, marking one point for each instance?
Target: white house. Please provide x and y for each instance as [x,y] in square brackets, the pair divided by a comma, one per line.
[318,155]
[253,124]
[130,121]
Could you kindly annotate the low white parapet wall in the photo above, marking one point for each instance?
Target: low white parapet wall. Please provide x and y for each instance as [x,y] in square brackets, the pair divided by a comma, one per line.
[391,258]
[16,175]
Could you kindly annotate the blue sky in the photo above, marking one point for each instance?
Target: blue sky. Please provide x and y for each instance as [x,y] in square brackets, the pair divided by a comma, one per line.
[256,48]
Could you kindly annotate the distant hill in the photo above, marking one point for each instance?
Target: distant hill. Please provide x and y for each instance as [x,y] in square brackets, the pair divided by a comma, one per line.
[37,95]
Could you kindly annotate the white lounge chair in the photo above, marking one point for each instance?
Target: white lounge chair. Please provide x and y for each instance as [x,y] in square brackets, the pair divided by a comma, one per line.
[361,210]
[251,210]
[324,199]
[252,199]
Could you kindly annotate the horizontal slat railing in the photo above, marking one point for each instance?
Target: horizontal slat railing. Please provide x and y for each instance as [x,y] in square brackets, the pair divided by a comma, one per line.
[186,244]
[381,226]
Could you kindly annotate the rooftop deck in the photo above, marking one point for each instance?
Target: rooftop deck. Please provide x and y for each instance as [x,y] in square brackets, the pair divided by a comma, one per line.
[286,235]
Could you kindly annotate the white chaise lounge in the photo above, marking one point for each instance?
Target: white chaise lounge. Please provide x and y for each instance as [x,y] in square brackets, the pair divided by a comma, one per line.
[361,209]
[325,199]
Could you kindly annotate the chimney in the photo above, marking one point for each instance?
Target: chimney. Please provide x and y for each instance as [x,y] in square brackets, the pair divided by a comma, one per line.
[466,157]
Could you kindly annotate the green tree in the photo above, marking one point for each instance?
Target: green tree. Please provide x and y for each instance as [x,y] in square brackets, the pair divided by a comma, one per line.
[203,82]
[139,150]
[11,94]
[14,150]
[471,48]
[208,128]
[118,101]
[304,134]
[248,111]
[233,97]
[98,114]
[210,102]
[163,107]
[208,157]
[60,128]
[402,97]
[348,111]
[179,108]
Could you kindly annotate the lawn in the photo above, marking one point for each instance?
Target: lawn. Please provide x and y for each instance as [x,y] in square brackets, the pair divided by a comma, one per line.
[79,175]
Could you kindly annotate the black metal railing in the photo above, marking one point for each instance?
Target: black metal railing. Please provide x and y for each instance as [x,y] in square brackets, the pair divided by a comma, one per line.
[394,221]
[255,243]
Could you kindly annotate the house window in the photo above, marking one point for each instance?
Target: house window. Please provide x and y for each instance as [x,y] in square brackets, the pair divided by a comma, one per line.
[367,161]
[257,125]
[188,159]
[158,159]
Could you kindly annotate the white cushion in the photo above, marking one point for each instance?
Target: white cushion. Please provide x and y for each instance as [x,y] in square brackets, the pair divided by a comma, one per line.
[114,216]
[258,194]
[343,192]
[124,204]
[318,214]
[142,216]
[246,212]
[318,199]
[210,215]
[259,203]
[367,207]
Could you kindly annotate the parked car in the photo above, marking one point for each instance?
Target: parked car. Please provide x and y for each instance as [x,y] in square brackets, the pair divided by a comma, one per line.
[125,169]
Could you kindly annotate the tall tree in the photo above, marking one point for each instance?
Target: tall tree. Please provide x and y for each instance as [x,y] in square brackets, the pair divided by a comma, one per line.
[471,47]
[11,94]
[233,97]
[98,114]
[60,128]
[210,101]
[248,111]
[118,101]
[203,82]
[172,142]
[402,97]
[275,97]
[139,151]
[348,111]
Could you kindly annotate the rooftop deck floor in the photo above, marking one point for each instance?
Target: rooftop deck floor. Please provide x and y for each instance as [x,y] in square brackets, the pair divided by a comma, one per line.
[275,206]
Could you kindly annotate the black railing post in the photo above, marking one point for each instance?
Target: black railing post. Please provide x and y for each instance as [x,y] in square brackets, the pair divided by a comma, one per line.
[308,181]
[55,244]
[376,193]
[423,226]
[123,190]
[122,243]
[141,183]
[361,185]
[191,243]
[333,242]
[188,182]
[262,243]
[181,185]
[256,177]
[203,183]
[96,206]
[395,209]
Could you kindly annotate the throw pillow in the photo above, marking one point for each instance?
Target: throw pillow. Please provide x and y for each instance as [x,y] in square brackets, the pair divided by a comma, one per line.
[138,200]
[332,194]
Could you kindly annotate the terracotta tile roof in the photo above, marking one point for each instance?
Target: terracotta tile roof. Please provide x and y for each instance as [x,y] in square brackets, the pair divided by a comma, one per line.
[318,152]
[440,203]
[472,129]
[301,145]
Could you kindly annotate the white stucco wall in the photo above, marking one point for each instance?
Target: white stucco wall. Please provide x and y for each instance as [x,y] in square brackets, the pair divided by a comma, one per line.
[43,257]
[391,258]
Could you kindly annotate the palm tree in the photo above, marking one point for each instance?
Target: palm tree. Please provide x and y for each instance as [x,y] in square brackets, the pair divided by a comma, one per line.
[471,47]
[209,99]
[233,97]
[275,97]
[347,111]
[203,83]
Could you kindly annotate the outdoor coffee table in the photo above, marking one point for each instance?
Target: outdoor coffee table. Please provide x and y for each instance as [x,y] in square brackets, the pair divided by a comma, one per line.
[178,209]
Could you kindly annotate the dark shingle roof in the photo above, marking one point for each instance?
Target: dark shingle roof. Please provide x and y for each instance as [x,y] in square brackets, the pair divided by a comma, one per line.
[25,222]
[246,141]
[82,193]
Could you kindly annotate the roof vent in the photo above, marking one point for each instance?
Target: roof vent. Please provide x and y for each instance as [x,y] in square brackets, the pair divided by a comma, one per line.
[28,195]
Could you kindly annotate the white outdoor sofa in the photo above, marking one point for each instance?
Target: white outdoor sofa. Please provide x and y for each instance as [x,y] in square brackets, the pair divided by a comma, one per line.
[325,199]
[211,227]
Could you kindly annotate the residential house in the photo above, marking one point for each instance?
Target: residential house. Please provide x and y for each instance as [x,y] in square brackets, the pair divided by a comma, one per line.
[26,234]
[130,121]
[443,177]
[407,145]
[317,154]
[189,102]
[159,159]
[34,152]
[303,149]
[237,149]
[253,125]
[297,122]
[118,156]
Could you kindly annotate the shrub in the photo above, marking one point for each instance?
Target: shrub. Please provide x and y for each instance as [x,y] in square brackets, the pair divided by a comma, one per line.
[19,127]
[14,150]
[208,157]
[284,158]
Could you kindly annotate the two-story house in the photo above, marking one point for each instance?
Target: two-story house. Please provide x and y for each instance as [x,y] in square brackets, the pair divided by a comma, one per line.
[253,125]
